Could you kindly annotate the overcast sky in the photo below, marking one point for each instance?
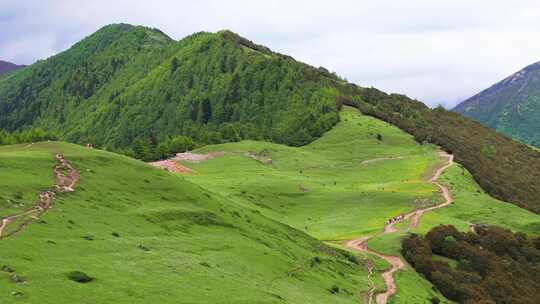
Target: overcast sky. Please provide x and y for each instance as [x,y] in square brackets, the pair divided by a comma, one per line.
[439,52]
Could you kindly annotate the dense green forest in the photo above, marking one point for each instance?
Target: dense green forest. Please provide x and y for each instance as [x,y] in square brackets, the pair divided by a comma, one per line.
[25,136]
[491,266]
[134,90]
[125,83]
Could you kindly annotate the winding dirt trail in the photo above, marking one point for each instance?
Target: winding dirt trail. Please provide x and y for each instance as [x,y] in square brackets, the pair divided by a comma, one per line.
[397,263]
[66,177]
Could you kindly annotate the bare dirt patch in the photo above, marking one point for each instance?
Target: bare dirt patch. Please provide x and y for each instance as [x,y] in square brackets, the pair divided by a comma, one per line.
[171,166]
[196,157]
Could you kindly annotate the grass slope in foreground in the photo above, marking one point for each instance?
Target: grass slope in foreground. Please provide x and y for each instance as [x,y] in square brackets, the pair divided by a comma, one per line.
[175,243]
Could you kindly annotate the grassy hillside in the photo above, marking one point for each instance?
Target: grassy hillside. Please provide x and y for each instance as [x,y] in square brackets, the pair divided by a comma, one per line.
[131,89]
[246,227]
[146,235]
[345,184]
[324,188]
[328,190]
[505,168]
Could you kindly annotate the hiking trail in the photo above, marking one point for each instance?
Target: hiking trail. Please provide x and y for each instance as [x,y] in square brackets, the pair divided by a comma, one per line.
[397,263]
[66,178]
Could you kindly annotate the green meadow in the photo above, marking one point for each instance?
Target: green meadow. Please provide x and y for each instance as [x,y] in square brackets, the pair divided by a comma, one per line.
[264,223]
[324,188]
[328,190]
[344,185]
[148,236]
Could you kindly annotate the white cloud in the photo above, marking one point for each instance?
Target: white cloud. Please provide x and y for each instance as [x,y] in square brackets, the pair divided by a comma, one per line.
[435,51]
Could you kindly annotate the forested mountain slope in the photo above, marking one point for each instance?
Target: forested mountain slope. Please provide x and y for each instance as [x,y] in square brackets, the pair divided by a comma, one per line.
[126,82]
[131,88]
[511,106]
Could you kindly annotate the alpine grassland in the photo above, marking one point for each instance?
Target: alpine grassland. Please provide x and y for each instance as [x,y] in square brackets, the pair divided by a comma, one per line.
[261,222]
[349,182]
[134,90]
[131,233]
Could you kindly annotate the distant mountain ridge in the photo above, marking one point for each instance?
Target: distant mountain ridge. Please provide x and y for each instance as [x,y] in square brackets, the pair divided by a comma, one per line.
[6,67]
[511,106]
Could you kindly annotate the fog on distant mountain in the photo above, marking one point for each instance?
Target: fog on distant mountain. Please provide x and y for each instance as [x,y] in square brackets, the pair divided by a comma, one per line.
[511,106]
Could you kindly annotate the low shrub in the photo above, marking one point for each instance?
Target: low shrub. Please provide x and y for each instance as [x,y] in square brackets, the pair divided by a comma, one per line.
[79,277]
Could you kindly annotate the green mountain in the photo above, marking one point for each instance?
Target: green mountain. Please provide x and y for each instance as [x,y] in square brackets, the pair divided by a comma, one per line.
[133,89]
[126,82]
[6,67]
[511,106]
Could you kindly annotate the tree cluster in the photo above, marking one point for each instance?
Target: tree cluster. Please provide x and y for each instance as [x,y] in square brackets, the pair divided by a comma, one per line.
[494,265]
[25,136]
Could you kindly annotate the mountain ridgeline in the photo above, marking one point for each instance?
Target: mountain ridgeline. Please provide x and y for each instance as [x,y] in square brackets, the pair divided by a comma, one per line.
[6,67]
[511,106]
[135,90]
[128,82]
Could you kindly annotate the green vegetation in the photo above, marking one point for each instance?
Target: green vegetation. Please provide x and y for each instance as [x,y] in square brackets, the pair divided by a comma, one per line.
[324,188]
[473,206]
[127,83]
[511,106]
[494,265]
[218,233]
[142,233]
[130,89]
[173,240]
[345,184]
[506,169]
[26,136]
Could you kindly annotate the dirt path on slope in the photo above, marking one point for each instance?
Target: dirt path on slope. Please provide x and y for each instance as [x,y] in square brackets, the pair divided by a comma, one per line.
[372,286]
[66,178]
[396,262]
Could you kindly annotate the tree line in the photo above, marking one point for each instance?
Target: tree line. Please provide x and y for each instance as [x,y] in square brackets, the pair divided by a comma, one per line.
[25,136]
